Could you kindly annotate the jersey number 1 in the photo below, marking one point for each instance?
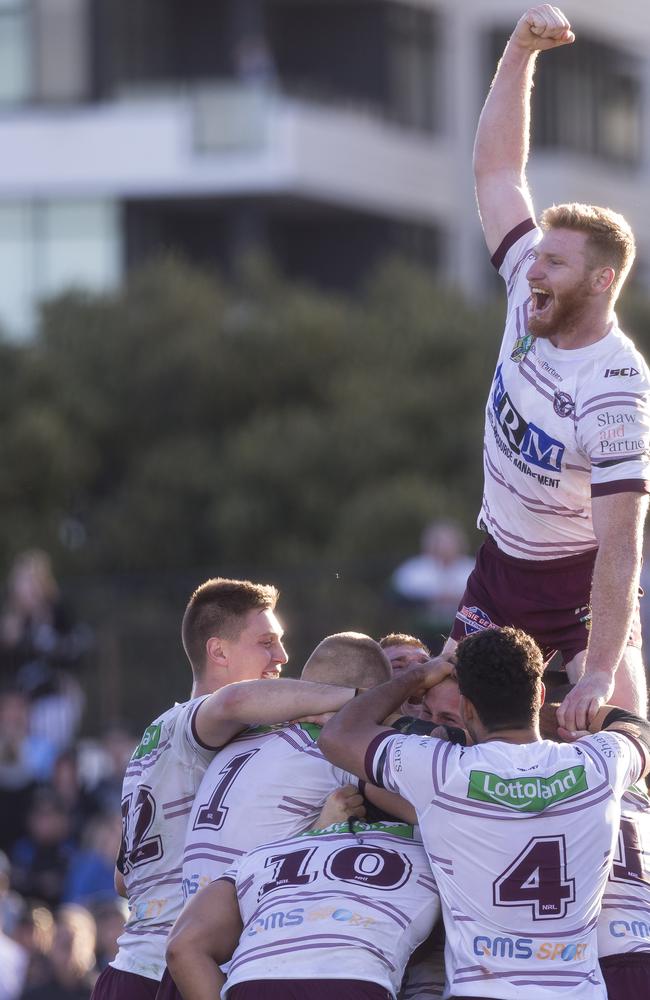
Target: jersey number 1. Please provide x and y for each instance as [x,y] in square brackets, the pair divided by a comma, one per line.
[212,815]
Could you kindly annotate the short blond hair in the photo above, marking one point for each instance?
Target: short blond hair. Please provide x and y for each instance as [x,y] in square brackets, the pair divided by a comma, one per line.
[403,639]
[610,240]
[350,659]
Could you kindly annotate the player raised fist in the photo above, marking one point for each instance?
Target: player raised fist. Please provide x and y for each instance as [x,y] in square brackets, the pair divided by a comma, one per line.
[543,27]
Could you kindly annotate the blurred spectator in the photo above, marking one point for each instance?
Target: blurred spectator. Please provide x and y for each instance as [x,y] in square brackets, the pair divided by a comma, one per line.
[24,760]
[40,859]
[92,869]
[110,917]
[39,644]
[434,581]
[71,964]
[13,966]
[117,746]
[34,931]
[13,957]
[67,784]
[11,903]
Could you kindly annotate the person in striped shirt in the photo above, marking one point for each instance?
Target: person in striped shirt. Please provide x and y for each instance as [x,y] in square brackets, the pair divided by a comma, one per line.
[520,832]
[233,641]
[567,432]
[330,914]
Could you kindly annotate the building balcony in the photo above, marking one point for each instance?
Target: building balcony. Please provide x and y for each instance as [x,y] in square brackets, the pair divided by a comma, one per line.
[225,140]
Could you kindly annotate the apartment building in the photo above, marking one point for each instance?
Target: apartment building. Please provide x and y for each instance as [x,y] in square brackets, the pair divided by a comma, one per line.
[330,132]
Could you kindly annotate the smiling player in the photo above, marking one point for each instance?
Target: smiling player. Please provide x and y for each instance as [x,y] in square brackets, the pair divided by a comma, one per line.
[566,458]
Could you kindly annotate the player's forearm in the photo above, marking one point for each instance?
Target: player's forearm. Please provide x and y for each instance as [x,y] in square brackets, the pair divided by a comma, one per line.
[503,134]
[345,738]
[197,975]
[265,702]
[613,596]
[275,701]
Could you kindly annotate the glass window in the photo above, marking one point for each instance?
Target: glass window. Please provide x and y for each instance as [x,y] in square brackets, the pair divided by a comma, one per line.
[78,246]
[16,267]
[48,247]
[15,58]
[413,66]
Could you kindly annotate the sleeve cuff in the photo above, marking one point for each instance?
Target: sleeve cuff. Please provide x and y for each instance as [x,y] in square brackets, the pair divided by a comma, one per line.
[509,241]
[620,486]
[371,752]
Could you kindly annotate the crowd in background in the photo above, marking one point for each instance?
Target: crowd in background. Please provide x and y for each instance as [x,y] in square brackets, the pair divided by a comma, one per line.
[60,819]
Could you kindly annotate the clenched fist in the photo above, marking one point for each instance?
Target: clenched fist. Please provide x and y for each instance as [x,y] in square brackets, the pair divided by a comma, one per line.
[543,27]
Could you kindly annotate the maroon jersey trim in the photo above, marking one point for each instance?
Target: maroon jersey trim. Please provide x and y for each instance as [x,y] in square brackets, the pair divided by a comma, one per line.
[509,240]
[620,486]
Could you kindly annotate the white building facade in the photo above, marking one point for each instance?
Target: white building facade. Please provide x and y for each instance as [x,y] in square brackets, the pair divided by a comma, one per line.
[331,132]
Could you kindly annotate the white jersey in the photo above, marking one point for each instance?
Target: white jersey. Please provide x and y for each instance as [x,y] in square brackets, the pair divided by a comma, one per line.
[159,787]
[520,840]
[267,784]
[624,923]
[334,905]
[561,427]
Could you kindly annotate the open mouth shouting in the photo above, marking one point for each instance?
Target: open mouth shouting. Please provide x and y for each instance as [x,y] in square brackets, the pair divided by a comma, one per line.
[541,302]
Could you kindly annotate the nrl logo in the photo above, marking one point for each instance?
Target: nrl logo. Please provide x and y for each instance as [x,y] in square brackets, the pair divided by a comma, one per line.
[521,348]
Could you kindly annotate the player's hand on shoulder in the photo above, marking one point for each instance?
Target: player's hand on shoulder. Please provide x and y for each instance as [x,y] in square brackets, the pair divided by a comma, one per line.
[543,27]
[343,803]
[582,703]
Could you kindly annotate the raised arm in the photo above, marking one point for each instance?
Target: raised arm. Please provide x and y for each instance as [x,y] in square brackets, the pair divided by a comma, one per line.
[503,134]
[345,738]
[618,526]
[265,702]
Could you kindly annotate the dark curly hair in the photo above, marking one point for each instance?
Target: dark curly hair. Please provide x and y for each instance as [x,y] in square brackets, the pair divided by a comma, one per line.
[499,671]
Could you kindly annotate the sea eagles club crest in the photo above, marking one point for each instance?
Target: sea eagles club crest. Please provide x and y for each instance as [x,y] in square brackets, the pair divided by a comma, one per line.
[521,348]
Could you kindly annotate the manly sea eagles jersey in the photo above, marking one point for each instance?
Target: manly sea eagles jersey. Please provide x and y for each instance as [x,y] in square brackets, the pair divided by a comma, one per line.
[334,904]
[521,840]
[624,923]
[268,784]
[562,426]
[159,787]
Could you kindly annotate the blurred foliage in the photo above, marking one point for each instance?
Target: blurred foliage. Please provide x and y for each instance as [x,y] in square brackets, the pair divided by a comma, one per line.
[184,428]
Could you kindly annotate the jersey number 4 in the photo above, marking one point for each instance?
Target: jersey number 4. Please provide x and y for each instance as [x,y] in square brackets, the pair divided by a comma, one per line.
[538,878]
[628,860]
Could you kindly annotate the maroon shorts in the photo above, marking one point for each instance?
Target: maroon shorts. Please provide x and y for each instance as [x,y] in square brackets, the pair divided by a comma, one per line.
[308,989]
[114,984]
[167,989]
[548,598]
[627,977]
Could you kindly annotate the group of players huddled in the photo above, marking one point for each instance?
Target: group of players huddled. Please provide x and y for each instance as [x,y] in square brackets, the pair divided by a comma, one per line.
[331,856]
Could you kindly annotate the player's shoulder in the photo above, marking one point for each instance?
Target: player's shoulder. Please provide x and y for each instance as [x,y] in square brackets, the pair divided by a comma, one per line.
[612,752]
[516,247]
[621,367]
[156,732]
[538,756]
[635,800]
